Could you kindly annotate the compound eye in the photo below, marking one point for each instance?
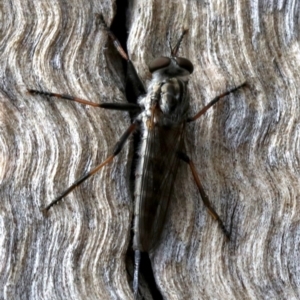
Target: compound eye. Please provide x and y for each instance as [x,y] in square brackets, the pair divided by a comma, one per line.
[159,63]
[185,64]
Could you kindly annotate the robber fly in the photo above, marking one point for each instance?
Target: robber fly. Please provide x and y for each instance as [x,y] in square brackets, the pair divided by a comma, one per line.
[161,117]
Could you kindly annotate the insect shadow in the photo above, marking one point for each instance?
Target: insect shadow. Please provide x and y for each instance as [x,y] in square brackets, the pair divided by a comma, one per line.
[161,116]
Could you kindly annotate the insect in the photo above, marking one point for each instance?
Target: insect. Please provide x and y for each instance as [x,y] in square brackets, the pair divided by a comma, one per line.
[161,116]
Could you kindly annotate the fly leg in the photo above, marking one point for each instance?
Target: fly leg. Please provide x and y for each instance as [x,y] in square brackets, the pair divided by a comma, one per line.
[112,106]
[204,196]
[136,83]
[118,147]
[186,159]
[132,77]
[214,101]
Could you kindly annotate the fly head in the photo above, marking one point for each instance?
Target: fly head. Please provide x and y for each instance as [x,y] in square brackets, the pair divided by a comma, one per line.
[166,67]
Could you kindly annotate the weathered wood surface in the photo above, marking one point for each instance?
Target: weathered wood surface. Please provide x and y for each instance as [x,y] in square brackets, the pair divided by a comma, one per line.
[246,150]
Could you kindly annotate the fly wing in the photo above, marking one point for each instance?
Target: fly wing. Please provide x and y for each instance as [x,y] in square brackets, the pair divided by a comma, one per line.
[159,172]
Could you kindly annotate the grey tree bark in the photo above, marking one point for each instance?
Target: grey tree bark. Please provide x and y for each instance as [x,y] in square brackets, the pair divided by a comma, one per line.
[245,149]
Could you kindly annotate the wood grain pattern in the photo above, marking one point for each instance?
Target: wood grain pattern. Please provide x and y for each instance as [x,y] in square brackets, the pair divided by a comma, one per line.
[246,150]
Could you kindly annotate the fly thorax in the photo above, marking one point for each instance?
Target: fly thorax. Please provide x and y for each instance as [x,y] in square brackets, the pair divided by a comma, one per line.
[151,98]
[170,96]
[155,93]
[173,101]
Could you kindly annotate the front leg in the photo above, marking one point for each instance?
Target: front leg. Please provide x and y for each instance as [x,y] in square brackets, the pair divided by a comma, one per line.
[213,102]
[133,78]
